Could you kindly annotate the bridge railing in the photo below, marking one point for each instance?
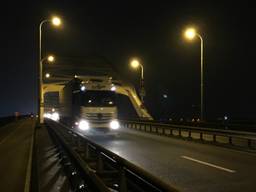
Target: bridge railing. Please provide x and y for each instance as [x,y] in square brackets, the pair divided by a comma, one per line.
[239,139]
[105,169]
[8,119]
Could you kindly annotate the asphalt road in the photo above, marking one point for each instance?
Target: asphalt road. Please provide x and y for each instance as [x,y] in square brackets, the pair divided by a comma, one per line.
[187,165]
[15,142]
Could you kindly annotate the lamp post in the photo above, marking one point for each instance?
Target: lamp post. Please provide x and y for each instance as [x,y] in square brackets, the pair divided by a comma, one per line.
[135,63]
[190,34]
[56,22]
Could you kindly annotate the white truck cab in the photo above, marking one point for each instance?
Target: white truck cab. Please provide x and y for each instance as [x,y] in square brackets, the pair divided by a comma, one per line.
[90,103]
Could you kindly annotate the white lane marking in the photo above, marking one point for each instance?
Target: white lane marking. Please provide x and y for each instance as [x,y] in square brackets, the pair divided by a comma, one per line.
[209,164]
[29,165]
[10,134]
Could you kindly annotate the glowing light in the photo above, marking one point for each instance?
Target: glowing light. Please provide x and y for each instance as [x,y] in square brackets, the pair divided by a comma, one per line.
[135,63]
[81,186]
[83,88]
[74,173]
[114,124]
[113,88]
[90,101]
[190,33]
[83,125]
[47,75]
[56,21]
[47,115]
[50,58]
[55,116]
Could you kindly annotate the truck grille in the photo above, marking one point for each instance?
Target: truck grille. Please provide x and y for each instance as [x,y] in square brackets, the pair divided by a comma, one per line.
[99,117]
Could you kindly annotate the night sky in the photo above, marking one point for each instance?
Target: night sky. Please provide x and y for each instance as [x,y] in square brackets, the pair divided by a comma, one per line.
[151,31]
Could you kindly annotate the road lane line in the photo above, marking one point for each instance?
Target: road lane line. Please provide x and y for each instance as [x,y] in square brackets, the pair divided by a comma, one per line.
[29,165]
[10,134]
[209,164]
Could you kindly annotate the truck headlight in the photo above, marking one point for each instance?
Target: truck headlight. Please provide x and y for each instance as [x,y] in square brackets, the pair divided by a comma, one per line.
[114,124]
[83,125]
[47,115]
[55,116]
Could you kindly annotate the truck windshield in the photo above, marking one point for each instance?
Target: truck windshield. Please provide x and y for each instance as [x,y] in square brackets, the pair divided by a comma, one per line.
[98,98]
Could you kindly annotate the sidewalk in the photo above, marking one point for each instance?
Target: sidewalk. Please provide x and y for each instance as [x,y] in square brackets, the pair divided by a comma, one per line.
[51,177]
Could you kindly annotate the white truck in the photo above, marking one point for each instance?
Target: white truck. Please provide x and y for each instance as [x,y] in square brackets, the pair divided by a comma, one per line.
[89,102]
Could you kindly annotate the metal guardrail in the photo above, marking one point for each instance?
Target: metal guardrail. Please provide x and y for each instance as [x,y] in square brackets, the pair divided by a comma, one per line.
[233,138]
[249,126]
[103,169]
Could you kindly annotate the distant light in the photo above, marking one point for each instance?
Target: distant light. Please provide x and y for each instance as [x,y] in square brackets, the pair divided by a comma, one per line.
[53,109]
[75,76]
[225,117]
[113,88]
[47,75]
[90,101]
[50,58]
[56,21]
[73,173]
[190,33]
[110,102]
[165,96]
[135,63]
[76,123]
[81,186]
[83,88]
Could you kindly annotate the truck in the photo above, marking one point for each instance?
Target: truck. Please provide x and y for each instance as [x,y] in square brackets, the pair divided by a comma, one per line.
[89,102]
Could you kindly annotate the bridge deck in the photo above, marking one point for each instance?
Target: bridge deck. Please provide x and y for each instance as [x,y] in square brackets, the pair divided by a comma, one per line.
[188,165]
[15,150]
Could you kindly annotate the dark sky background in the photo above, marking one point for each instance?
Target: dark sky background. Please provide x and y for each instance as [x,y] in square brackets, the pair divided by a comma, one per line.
[150,30]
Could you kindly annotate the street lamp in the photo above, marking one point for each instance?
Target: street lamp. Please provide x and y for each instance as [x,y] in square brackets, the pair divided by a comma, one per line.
[135,63]
[50,58]
[47,75]
[190,34]
[55,22]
